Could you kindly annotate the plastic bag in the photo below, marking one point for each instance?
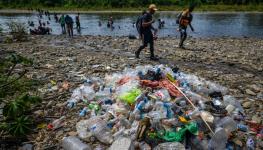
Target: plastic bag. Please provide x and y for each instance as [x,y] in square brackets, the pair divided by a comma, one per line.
[163,95]
[130,96]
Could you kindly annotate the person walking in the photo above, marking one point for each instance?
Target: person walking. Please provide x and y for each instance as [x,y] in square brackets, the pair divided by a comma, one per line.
[146,32]
[69,23]
[185,19]
[62,23]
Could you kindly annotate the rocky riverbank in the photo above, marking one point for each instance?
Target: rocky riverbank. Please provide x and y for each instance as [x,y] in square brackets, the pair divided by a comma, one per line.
[236,63]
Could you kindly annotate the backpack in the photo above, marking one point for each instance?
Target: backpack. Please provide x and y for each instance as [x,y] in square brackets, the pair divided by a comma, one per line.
[178,18]
[139,24]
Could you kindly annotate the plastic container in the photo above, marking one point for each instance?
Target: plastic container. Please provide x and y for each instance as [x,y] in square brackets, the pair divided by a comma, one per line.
[219,140]
[100,130]
[73,143]
[228,124]
[170,146]
[163,95]
[57,123]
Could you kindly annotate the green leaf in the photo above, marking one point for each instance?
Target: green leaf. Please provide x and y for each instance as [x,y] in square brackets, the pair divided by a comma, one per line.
[20,126]
[13,109]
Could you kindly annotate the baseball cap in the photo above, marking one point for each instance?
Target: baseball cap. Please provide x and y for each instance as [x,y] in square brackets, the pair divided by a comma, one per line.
[153,7]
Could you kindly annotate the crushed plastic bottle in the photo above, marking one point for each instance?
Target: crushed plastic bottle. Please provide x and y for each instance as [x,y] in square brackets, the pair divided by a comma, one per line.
[219,140]
[228,124]
[170,146]
[100,130]
[73,143]
[83,112]
[56,123]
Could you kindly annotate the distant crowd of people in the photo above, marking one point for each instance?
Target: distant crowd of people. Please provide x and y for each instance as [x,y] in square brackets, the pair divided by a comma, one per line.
[144,25]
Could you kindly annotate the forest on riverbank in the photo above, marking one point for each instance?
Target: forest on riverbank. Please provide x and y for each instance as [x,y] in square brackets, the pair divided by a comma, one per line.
[203,5]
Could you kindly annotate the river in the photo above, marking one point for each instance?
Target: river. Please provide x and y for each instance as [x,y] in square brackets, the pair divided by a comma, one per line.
[238,24]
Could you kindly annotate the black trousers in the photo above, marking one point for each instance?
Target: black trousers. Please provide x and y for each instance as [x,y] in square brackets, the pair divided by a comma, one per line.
[183,35]
[70,29]
[147,39]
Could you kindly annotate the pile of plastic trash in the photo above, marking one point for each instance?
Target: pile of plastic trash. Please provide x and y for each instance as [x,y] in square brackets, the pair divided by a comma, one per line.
[157,107]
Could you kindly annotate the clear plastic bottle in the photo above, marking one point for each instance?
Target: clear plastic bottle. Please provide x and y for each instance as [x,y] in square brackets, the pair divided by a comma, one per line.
[219,140]
[57,123]
[170,146]
[100,130]
[73,143]
[228,124]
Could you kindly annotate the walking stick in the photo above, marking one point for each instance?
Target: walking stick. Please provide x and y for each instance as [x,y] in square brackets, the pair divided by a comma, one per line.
[192,105]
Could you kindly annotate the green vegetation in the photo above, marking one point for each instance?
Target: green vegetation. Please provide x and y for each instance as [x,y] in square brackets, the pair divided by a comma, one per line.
[18,31]
[203,5]
[14,89]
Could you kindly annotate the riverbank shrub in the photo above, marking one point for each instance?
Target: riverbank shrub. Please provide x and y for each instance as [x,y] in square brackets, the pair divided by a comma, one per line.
[17,30]
[14,95]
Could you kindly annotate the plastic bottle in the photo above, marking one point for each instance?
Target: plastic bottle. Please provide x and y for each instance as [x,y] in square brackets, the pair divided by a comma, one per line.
[73,143]
[170,146]
[71,103]
[83,112]
[144,146]
[100,130]
[242,127]
[57,123]
[250,144]
[219,140]
[228,124]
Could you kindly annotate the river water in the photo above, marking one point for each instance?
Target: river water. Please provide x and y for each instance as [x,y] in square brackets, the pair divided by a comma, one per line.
[205,24]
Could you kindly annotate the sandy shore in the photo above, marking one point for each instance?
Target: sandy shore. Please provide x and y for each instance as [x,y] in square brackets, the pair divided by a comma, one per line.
[236,63]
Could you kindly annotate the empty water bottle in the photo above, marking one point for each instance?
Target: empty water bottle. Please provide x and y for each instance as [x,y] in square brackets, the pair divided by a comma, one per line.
[219,140]
[73,143]
[83,112]
[228,124]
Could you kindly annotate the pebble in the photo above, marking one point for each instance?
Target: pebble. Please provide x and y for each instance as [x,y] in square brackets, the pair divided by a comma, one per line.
[247,104]
[255,88]
[72,133]
[249,92]
[256,119]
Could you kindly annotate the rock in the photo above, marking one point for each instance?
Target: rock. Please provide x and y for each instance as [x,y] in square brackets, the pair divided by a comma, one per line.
[247,104]
[255,88]
[238,142]
[49,104]
[59,133]
[122,144]
[60,105]
[249,92]
[27,147]
[256,119]
[72,133]
[38,113]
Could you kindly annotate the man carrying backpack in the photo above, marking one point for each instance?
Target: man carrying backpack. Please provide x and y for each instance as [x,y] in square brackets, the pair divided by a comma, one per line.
[139,23]
[146,32]
[69,23]
[185,19]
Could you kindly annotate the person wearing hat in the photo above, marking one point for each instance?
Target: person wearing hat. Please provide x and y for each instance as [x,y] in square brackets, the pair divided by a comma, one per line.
[147,35]
[186,18]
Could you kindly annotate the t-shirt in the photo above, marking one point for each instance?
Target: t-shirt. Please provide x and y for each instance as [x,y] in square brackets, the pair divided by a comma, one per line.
[186,18]
[68,20]
[77,19]
[147,18]
[62,20]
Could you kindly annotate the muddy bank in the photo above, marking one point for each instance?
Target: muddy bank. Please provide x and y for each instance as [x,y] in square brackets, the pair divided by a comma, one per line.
[236,63]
